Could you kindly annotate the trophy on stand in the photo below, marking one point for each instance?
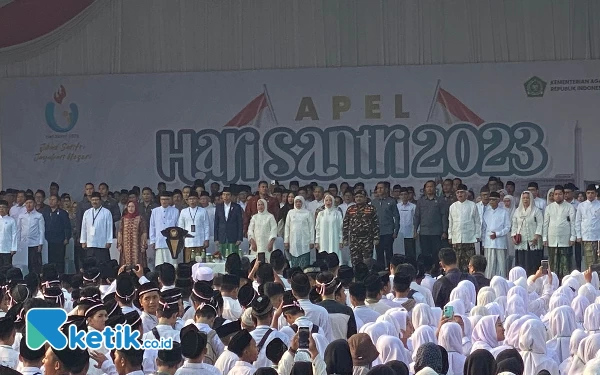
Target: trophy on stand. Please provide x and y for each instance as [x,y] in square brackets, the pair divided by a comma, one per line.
[175,239]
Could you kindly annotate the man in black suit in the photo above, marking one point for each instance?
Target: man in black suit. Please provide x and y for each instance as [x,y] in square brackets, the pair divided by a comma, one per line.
[229,225]
[477,266]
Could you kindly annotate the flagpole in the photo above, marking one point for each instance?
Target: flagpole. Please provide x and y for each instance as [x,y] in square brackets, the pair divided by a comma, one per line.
[270,104]
[435,93]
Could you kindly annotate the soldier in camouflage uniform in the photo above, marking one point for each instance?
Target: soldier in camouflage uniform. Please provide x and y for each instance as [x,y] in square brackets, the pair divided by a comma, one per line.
[361,229]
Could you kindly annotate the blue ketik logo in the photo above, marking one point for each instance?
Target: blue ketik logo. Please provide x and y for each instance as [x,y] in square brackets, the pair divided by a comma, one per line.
[43,326]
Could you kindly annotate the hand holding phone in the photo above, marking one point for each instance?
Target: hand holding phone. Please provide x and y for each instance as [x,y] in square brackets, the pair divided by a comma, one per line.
[261,257]
[303,341]
[545,266]
[448,312]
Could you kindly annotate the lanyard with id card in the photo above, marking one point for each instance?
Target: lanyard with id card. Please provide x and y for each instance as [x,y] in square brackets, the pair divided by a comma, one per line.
[193,227]
[93,228]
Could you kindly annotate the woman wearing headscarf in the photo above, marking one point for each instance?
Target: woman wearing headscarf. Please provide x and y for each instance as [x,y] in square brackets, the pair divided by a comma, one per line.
[283,211]
[399,368]
[587,351]
[488,333]
[262,230]
[390,348]
[299,234]
[480,362]
[516,306]
[422,316]
[591,319]
[588,291]
[486,295]
[132,239]
[450,338]
[421,336]
[500,286]
[576,338]
[579,304]
[363,353]
[338,359]
[516,273]
[561,326]
[428,355]
[592,367]
[526,233]
[465,291]
[328,228]
[532,346]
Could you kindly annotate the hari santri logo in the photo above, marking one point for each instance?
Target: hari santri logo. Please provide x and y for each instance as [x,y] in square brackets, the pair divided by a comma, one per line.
[535,87]
[67,119]
[44,326]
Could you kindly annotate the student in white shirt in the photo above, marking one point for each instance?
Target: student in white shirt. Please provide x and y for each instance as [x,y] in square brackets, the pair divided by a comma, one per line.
[358,294]
[539,202]
[232,310]
[167,316]
[497,226]
[315,313]
[129,361]
[161,218]
[195,220]
[193,348]
[8,356]
[245,347]
[318,193]
[97,230]
[348,201]
[559,233]
[30,234]
[406,210]
[464,227]
[19,207]
[148,295]
[8,235]
[263,334]
[587,225]
[31,360]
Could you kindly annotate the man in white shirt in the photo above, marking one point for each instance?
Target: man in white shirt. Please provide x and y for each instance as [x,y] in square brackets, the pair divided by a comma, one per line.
[205,202]
[348,201]
[8,235]
[559,233]
[373,300]
[19,207]
[587,225]
[315,313]
[193,348]
[232,310]
[570,190]
[313,205]
[464,227]
[32,360]
[97,230]
[539,202]
[195,220]
[358,294]
[246,349]
[407,213]
[497,226]
[30,234]
[482,207]
[161,218]
[263,334]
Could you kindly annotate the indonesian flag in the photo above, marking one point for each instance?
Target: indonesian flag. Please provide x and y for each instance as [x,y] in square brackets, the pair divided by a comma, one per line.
[449,110]
[252,113]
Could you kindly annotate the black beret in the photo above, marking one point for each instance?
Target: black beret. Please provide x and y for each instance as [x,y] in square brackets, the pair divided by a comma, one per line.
[125,286]
[171,355]
[115,320]
[240,342]
[462,187]
[184,271]
[193,342]
[29,354]
[231,280]
[133,318]
[261,306]
[171,295]
[345,272]
[148,287]
[373,283]
[275,350]
[73,358]
[246,295]
[494,194]
[229,328]
[203,290]
[590,187]
[112,308]
[7,324]
[226,190]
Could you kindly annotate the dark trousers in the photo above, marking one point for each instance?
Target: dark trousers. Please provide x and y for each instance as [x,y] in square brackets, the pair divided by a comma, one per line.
[56,255]
[578,256]
[385,249]
[6,259]
[34,260]
[410,248]
[79,255]
[101,254]
[431,245]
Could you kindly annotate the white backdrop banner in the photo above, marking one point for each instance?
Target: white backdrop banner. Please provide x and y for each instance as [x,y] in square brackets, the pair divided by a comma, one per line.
[403,124]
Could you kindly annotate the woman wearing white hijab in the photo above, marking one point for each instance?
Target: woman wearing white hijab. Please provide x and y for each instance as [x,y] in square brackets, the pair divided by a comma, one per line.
[299,234]
[376,330]
[262,230]
[579,304]
[591,319]
[465,291]
[450,338]
[512,332]
[592,367]
[532,346]
[486,295]
[562,324]
[527,222]
[558,300]
[421,335]
[515,305]
[390,348]
[500,286]
[576,338]
[588,291]
[587,351]
[488,333]
[328,228]
[422,316]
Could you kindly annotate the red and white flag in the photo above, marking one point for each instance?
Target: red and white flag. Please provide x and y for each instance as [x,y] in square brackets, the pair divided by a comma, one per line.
[253,113]
[448,109]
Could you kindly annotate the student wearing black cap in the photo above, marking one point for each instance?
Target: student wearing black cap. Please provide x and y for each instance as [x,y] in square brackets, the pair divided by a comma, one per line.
[244,346]
[193,348]
[8,355]
[168,360]
[587,223]
[343,321]
[204,318]
[263,334]
[232,310]
[168,311]
[67,361]
[125,292]
[97,230]
[161,218]
[227,359]
[129,361]
[317,314]
[148,296]
[32,360]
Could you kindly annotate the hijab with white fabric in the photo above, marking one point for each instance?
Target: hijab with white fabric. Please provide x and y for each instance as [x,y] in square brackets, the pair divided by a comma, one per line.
[515,305]
[495,309]
[486,295]
[561,326]
[576,338]
[592,367]
[500,286]
[591,318]
[421,335]
[376,330]
[511,336]
[458,305]
[393,322]
[390,348]
[558,300]
[467,333]
[587,351]
[465,291]
[565,290]
[517,272]
[519,291]
[571,282]
[579,304]
[421,316]
[484,334]
[450,338]
[502,301]
[400,316]
[532,346]
[588,291]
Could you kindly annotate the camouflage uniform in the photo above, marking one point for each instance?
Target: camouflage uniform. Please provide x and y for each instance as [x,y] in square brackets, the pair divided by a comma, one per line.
[464,252]
[590,252]
[360,230]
